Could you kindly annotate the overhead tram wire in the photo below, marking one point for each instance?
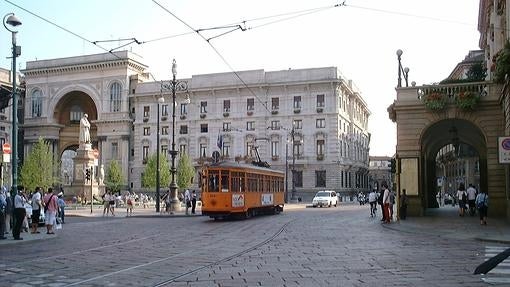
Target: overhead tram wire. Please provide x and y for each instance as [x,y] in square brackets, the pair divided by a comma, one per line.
[62,28]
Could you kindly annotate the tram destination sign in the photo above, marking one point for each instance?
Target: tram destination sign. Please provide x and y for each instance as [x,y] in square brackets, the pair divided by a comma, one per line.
[504,150]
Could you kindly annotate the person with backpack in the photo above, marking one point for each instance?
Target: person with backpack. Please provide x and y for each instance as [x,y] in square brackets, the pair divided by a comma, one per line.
[482,203]
[462,196]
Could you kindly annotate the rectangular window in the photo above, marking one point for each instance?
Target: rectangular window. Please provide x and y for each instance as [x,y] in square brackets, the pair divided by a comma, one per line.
[275,125]
[274,149]
[226,106]
[182,148]
[164,130]
[250,126]
[164,149]
[115,150]
[204,128]
[298,148]
[203,150]
[249,149]
[275,103]
[297,102]
[320,147]
[226,126]
[146,111]
[184,109]
[320,123]
[183,130]
[297,124]
[146,131]
[298,178]
[203,107]
[164,110]
[320,101]
[226,149]
[145,153]
[250,104]
[320,178]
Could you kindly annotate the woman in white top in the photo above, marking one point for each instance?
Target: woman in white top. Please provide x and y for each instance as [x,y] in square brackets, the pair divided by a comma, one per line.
[462,197]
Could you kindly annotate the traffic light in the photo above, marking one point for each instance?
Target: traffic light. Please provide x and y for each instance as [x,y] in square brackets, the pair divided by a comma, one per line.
[87,174]
[393,165]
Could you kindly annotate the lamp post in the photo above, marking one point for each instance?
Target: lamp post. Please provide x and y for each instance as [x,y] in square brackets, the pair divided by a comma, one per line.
[404,71]
[287,171]
[174,86]
[13,21]
[293,192]
[161,100]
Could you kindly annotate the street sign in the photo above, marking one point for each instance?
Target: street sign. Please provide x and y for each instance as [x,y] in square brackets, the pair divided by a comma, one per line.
[6,148]
[504,149]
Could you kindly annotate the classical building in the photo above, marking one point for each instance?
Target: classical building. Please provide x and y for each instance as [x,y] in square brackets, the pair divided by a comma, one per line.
[466,119]
[315,115]
[379,171]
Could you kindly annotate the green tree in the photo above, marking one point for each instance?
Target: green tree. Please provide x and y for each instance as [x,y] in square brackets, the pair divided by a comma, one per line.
[39,167]
[150,172]
[185,171]
[114,179]
[477,72]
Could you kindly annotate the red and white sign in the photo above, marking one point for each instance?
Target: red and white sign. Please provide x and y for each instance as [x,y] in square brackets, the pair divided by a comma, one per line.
[6,148]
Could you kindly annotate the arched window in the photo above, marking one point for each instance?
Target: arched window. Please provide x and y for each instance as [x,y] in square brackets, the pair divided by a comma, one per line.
[115,97]
[36,103]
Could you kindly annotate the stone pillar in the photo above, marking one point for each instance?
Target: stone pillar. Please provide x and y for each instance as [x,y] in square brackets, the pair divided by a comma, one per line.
[81,187]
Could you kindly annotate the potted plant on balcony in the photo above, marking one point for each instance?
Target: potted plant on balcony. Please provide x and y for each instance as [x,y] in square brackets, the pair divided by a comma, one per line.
[434,100]
[467,100]
[501,65]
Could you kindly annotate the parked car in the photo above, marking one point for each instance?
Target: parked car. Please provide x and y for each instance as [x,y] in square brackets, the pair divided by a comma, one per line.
[325,198]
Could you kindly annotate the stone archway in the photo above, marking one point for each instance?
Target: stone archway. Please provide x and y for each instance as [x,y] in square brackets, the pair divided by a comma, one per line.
[67,113]
[453,131]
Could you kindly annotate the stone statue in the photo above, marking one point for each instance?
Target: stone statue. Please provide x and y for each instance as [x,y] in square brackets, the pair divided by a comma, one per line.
[84,130]
[101,174]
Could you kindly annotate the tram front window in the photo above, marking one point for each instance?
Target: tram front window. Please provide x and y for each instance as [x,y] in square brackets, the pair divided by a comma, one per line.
[214,183]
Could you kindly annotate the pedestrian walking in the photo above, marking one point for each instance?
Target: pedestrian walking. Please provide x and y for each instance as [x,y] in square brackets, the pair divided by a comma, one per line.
[50,210]
[381,203]
[130,201]
[9,210]
[61,207]
[482,203]
[392,203]
[404,201]
[372,199]
[37,206]
[187,200]
[386,203]
[471,197]
[462,197]
[168,203]
[193,201]
[111,201]
[3,204]
[19,213]
[106,203]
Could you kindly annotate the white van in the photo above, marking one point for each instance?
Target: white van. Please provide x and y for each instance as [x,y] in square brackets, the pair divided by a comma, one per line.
[325,198]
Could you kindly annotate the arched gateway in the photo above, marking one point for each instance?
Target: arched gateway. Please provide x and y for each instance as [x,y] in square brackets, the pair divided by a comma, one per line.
[430,138]
[60,91]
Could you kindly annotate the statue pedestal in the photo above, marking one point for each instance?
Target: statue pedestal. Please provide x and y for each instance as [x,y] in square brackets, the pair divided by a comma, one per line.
[81,187]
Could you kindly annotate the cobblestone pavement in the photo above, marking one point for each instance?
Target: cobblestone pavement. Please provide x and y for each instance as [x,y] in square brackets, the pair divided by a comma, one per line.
[303,247]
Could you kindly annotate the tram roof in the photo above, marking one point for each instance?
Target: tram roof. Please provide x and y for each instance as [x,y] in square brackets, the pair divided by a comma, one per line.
[232,164]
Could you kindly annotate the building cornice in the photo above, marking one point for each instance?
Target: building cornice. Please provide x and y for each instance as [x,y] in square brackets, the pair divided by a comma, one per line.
[93,67]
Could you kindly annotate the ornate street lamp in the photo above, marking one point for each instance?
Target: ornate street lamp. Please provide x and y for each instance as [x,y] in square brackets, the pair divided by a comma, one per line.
[401,70]
[13,21]
[160,101]
[174,86]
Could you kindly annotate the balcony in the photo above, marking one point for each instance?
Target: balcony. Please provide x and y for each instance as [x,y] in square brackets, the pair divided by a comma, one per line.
[320,157]
[183,116]
[226,114]
[202,116]
[320,109]
[275,158]
[249,112]
[274,111]
[297,110]
[164,118]
[145,119]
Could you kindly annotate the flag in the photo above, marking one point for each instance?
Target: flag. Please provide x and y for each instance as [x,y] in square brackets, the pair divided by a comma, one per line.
[219,142]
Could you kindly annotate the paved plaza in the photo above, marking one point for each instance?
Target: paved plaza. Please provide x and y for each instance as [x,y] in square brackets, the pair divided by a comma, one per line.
[303,246]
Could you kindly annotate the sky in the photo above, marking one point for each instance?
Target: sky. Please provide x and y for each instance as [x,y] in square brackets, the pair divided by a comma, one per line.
[360,38]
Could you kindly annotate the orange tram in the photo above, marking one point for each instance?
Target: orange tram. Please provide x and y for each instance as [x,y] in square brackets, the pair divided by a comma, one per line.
[237,190]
